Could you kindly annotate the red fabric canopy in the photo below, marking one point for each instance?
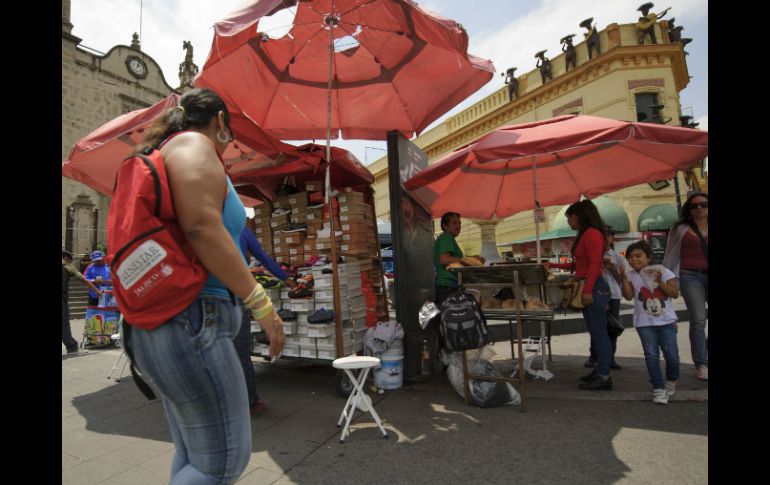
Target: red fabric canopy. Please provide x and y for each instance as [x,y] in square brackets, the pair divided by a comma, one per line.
[568,156]
[397,67]
[346,170]
[94,160]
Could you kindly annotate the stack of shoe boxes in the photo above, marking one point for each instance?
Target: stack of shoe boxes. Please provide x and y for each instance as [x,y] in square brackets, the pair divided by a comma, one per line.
[352,308]
[263,230]
[279,220]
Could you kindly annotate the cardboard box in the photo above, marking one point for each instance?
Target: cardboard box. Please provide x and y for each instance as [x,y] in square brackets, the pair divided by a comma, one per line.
[282,202]
[298,200]
[354,207]
[309,245]
[289,328]
[291,351]
[263,210]
[308,352]
[351,217]
[314,185]
[302,305]
[294,238]
[264,231]
[298,218]
[296,250]
[281,221]
[350,198]
[316,330]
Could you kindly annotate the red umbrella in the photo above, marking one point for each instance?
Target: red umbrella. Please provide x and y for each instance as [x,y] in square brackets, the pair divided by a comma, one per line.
[94,160]
[394,67]
[555,161]
[345,170]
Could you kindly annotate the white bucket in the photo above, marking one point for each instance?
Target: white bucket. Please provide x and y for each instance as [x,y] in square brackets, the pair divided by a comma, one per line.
[390,373]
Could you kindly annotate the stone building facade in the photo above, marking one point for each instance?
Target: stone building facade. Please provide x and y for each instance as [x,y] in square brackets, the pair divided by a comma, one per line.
[621,82]
[95,89]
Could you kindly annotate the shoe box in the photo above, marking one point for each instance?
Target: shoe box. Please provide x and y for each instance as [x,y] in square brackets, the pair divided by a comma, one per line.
[314,185]
[320,330]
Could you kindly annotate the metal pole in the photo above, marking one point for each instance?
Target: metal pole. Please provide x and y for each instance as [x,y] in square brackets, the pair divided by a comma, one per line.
[676,192]
[537,208]
[332,229]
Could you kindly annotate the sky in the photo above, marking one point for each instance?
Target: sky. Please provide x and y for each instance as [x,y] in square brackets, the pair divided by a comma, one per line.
[508,32]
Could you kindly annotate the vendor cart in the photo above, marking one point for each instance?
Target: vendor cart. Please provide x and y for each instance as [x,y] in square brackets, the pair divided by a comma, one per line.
[101,322]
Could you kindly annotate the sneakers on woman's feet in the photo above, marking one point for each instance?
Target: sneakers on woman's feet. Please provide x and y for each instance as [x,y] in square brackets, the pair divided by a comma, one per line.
[659,396]
[588,376]
[597,383]
[702,372]
[257,408]
[590,362]
[670,388]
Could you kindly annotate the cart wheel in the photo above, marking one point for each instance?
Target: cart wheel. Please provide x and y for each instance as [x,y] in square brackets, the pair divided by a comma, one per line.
[342,384]
[116,343]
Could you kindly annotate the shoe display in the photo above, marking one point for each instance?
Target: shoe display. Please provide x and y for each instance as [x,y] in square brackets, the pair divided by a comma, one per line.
[321,315]
[670,388]
[301,291]
[307,280]
[272,284]
[295,227]
[597,383]
[326,232]
[316,206]
[327,271]
[257,408]
[614,365]
[702,373]
[591,362]
[280,212]
[287,315]
[659,396]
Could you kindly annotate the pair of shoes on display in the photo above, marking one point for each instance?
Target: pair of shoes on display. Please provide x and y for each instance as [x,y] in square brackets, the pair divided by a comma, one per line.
[326,232]
[597,383]
[295,227]
[272,284]
[287,315]
[702,372]
[590,362]
[313,260]
[317,205]
[327,271]
[659,396]
[286,189]
[307,280]
[257,408]
[278,212]
[321,315]
[301,291]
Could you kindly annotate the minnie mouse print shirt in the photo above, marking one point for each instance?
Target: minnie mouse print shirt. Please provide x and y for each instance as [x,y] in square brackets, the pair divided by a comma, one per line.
[651,305]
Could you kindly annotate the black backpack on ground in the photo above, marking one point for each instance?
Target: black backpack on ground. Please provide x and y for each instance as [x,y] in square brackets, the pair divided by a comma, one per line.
[463,324]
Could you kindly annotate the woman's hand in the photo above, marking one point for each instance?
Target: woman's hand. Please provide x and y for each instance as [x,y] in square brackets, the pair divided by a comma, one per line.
[273,327]
[588,299]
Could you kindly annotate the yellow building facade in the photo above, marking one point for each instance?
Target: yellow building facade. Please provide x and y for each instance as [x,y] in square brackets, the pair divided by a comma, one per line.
[610,85]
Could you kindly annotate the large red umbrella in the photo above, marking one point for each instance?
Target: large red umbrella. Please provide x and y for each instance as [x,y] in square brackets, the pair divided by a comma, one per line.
[345,170]
[555,161]
[394,66]
[95,159]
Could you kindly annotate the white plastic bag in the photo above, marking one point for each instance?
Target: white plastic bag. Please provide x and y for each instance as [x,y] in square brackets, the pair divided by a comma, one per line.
[485,394]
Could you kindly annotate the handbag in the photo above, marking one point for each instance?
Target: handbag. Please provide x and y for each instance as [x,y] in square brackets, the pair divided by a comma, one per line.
[614,327]
[573,295]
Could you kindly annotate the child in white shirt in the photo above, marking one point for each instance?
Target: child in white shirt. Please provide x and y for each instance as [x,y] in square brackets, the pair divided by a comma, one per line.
[652,289]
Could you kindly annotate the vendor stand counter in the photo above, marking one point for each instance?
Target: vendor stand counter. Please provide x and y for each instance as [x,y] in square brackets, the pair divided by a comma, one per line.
[514,276]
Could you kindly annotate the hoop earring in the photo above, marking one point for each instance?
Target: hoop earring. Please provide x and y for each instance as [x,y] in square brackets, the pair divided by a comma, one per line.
[222,137]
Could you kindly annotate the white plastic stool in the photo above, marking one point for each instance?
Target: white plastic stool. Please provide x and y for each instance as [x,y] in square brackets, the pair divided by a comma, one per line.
[116,338]
[357,399]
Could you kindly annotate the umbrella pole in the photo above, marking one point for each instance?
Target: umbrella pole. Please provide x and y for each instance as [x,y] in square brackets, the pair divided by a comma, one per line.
[536,212]
[330,205]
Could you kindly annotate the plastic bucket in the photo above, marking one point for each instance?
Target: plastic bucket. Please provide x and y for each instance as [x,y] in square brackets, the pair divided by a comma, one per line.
[390,373]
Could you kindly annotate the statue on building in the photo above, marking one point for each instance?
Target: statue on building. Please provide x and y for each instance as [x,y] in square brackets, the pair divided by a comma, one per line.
[545,66]
[512,82]
[674,33]
[135,44]
[187,69]
[570,54]
[592,37]
[646,23]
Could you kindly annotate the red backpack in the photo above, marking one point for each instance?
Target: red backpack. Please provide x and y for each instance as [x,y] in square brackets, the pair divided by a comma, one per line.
[156,272]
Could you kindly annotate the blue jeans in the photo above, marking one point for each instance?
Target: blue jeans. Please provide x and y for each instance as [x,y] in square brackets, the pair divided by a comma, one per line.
[615,311]
[595,316]
[661,337]
[695,290]
[242,343]
[191,363]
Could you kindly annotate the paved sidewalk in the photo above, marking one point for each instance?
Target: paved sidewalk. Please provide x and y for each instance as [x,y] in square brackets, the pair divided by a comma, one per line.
[112,435]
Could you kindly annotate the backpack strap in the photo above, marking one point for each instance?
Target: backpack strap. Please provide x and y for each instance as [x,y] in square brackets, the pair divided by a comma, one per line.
[146,390]
[703,244]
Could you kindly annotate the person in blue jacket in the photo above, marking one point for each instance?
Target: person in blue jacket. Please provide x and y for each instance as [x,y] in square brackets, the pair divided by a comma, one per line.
[99,274]
[242,341]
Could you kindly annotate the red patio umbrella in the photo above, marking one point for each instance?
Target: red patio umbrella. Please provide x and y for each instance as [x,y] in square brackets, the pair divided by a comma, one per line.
[393,66]
[94,160]
[555,161]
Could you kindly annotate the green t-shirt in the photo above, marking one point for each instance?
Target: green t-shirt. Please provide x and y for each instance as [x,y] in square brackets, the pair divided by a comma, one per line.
[445,243]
